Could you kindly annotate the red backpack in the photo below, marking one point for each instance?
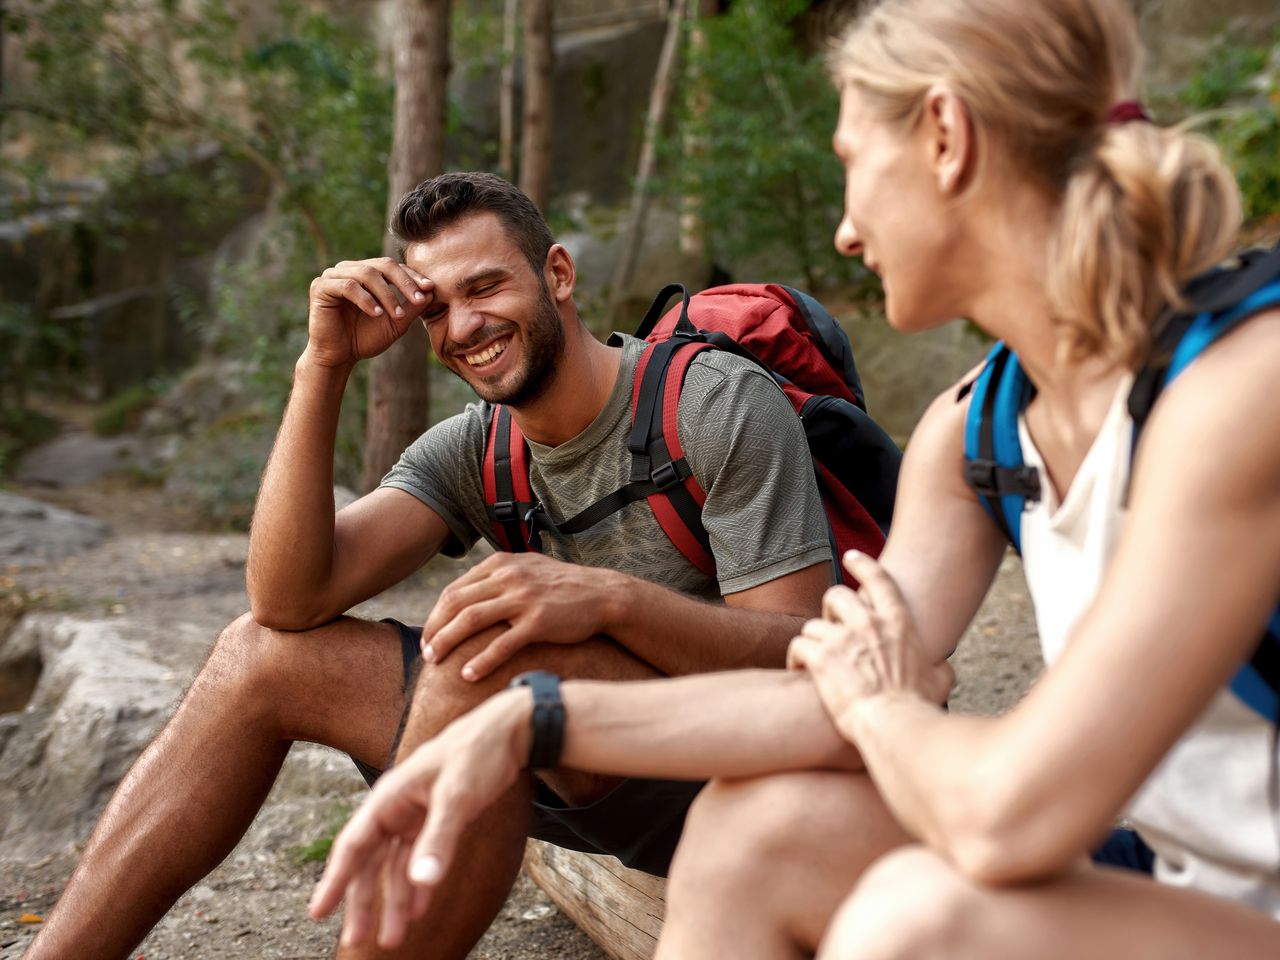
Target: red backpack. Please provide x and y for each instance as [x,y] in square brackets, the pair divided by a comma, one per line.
[785,332]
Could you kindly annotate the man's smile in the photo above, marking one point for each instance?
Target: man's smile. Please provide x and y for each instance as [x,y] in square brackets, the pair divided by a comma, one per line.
[488,354]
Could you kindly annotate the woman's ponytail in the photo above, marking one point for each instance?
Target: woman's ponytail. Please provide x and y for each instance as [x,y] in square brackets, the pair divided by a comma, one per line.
[1145,210]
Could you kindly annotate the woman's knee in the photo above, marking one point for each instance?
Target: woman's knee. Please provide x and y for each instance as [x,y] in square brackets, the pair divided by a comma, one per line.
[739,829]
[909,904]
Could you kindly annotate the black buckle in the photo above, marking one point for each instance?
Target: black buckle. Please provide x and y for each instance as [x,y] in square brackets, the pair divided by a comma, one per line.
[989,479]
[532,520]
[981,476]
[666,476]
[507,511]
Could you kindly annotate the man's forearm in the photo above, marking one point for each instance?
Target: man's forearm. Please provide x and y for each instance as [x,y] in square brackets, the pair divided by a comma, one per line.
[291,542]
[679,634]
[740,724]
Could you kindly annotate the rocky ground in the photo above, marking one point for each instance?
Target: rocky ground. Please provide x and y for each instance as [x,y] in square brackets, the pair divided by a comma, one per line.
[105,613]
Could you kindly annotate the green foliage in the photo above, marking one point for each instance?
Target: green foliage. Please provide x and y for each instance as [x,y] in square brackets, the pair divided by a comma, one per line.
[755,153]
[20,430]
[1239,84]
[317,850]
[193,115]
[123,411]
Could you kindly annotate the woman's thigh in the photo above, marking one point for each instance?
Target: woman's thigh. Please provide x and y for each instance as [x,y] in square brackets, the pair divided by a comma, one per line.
[915,904]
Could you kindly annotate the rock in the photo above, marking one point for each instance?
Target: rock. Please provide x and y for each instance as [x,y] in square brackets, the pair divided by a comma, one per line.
[105,689]
[32,532]
[100,699]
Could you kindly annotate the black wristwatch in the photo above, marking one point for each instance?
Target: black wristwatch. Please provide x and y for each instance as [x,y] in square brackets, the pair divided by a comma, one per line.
[548,718]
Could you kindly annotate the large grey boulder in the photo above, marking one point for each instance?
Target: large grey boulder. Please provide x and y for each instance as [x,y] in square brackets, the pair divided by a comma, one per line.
[105,689]
[32,532]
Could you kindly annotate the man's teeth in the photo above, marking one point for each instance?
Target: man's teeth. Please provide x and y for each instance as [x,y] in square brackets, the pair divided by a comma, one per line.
[487,354]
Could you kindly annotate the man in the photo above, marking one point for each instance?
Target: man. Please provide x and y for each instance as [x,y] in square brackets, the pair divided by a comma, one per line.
[617,602]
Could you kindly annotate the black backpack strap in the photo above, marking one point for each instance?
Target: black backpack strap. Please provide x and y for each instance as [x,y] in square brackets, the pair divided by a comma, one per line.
[683,325]
[659,473]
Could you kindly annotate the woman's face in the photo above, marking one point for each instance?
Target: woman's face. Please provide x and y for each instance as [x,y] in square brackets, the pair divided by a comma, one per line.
[895,216]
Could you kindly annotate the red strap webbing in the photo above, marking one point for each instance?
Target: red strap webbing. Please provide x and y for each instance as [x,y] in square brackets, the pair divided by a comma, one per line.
[668,518]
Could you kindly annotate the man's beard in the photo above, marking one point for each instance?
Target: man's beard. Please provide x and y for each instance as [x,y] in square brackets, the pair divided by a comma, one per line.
[544,346]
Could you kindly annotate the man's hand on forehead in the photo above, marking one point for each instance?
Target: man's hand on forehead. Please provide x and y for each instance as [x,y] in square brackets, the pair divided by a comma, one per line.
[360,307]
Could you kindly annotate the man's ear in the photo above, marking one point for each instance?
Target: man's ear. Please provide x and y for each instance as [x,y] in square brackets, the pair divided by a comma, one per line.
[950,140]
[561,274]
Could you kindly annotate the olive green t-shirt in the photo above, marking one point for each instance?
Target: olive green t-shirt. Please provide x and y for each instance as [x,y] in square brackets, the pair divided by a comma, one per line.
[742,439]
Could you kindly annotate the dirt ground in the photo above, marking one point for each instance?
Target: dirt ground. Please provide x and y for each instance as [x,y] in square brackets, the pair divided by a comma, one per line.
[254,903]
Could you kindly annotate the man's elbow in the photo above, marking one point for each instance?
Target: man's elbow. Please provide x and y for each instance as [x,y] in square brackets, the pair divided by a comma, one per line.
[279,616]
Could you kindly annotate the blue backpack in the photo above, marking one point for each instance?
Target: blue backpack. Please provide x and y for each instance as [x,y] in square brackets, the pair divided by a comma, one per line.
[994,467]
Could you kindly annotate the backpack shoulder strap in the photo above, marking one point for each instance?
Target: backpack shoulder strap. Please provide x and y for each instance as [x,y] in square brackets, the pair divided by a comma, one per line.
[1220,301]
[507,495]
[994,466]
[1257,683]
[659,472]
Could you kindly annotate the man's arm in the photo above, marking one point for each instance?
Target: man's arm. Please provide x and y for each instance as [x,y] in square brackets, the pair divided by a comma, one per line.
[305,567]
[544,600]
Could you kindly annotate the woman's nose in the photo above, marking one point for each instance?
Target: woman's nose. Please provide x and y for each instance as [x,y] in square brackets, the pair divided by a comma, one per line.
[847,240]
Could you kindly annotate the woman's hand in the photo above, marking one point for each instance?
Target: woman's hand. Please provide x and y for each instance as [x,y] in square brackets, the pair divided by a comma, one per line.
[402,840]
[865,645]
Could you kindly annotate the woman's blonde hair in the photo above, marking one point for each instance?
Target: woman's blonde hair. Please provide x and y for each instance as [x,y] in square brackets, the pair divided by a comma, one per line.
[1143,208]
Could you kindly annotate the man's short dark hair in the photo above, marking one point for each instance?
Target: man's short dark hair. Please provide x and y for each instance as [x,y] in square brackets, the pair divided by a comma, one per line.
[444,200]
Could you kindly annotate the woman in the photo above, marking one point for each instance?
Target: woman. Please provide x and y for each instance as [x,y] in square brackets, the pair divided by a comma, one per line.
[996,169]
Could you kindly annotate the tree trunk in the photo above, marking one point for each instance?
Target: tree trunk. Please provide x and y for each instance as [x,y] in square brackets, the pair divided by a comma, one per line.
[398,377]
[659,99]
[693,231]
[507,92]
[539,57]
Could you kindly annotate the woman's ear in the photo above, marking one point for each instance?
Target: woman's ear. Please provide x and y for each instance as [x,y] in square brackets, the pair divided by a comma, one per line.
[561,274]
[949,136]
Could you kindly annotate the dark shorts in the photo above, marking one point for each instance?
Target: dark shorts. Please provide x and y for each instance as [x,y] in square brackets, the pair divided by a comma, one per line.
[639,821]
[1125,849]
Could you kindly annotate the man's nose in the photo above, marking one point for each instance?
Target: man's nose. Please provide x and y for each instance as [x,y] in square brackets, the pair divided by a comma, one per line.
[464,323]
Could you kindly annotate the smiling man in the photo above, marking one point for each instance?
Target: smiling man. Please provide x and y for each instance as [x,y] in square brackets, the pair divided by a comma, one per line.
[619,601]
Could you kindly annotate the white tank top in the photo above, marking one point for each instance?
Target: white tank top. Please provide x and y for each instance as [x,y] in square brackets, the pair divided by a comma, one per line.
[1206,811]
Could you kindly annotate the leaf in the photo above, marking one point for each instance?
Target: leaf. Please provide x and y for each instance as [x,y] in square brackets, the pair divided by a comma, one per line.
[30,918]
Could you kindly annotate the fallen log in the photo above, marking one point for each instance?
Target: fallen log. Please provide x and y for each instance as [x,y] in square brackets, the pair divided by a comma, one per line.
[620,909]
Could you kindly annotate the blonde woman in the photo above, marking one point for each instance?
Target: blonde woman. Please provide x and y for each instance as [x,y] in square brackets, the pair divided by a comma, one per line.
[998,169]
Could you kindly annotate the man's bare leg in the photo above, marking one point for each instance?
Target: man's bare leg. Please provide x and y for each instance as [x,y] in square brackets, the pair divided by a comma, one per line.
[190,796]
[763,864]
[915,904]
[490,852]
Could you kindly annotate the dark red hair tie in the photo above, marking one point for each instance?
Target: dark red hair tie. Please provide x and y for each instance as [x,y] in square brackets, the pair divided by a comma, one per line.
[1127,110]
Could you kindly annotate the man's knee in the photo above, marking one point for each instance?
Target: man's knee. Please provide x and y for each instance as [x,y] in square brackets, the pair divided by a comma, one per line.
[910,903]
[253,664]
[441,694]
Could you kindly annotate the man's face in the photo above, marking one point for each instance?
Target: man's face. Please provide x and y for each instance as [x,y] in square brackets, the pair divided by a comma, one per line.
[492,320]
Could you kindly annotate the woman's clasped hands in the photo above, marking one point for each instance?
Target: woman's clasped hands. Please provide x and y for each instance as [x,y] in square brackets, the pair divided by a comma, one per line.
[865,646]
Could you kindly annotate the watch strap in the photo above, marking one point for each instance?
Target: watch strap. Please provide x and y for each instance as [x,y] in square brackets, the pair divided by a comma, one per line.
[548,718]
